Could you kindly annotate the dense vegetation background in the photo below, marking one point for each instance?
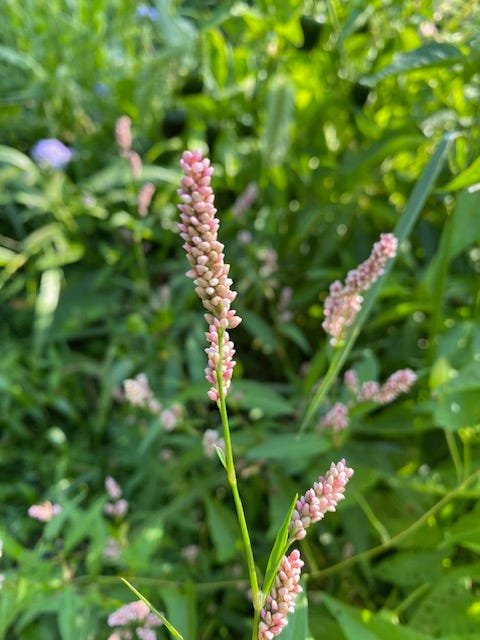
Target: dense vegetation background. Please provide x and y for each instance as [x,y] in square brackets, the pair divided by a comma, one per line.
[333,110]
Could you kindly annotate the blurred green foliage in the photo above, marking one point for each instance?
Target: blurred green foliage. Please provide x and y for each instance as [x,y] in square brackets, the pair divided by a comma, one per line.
[333,110]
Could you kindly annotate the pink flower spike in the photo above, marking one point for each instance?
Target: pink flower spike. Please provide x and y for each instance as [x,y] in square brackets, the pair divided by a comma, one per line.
[337,418]
[281,599]
[113,488]
[321,498]
[198,228]
[345,301]
[398,383]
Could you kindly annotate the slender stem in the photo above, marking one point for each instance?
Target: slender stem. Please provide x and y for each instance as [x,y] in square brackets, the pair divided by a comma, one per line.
[232,478]
[256,620]
[454,453]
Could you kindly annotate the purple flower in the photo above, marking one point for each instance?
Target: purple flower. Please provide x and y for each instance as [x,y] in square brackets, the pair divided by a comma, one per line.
[144,11]
[52,152]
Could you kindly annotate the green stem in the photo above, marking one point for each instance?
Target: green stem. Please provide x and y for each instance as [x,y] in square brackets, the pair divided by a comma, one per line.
[454,453]
[232,480]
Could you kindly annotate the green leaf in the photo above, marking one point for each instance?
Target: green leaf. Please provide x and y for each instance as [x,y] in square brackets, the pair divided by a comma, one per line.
[468,177]
[362,624]
[215,61]
[286,447]
[279,109]
[45,306]
[433,54]
[17,159]
[223,529]
[67,612]
[451,606]
[278,550]
[261,397]
[460,231]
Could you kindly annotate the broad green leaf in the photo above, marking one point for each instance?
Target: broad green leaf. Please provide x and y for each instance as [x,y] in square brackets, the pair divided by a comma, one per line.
[460,231]
[458,409]
[413,568]
[451,606]
[181,607]
[45,306]
[457,400]
[279,108]
[362,624]
[260,330]
[470,176]
[466,530]
[224,530]
[285,447]
[215,60]
[261,397]
[433,54]
[67,613]
[17,159]
[296,335]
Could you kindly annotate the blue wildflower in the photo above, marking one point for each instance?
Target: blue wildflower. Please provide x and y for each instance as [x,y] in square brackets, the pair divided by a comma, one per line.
[52,152]
[144,11]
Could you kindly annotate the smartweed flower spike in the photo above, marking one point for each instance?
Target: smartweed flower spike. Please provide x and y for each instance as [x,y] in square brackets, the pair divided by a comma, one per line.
[198,228]
[322,497]
[281,599]
[345,301]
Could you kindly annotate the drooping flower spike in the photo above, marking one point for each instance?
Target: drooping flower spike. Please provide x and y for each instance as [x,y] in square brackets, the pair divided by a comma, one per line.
[345,301]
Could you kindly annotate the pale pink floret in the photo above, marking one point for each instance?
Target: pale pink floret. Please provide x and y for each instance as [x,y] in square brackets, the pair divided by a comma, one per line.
[345,301]
[281,599]
[336,418]
[321,498]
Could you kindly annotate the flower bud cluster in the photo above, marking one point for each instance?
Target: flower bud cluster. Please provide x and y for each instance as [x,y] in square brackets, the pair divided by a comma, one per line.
[133,616]
[321,498]
[281,599]
[345,301]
